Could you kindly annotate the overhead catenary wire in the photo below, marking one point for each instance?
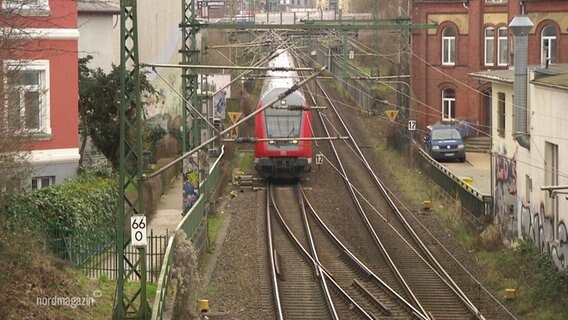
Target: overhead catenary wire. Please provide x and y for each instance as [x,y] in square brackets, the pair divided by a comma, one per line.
[220,134]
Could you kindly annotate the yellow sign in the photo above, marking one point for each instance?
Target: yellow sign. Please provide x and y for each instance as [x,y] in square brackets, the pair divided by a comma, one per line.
[235,116]
[235,132]
[391,114]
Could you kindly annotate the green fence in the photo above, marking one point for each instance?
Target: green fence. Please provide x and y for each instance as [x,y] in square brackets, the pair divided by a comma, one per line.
[190,224]
[95,254]
[474,202]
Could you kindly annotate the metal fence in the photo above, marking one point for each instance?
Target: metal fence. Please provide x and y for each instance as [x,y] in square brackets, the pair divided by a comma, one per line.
[474,202]
[190,224]
[95,253]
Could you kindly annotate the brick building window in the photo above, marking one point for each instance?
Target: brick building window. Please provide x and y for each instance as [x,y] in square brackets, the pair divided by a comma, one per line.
[489,46]
[503,51]
[27,96]
[448,104]
[548,45]
[502,46]
[501,114]
[448,46]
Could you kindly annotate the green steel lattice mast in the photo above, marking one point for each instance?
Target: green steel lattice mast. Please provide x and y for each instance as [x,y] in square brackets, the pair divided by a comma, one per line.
[131,304]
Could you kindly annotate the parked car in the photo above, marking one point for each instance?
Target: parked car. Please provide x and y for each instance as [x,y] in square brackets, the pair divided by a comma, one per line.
[444,142]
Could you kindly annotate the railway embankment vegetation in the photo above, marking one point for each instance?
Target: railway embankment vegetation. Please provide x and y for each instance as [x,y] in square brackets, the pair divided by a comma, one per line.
[46,233]
[38,279]
[540,289]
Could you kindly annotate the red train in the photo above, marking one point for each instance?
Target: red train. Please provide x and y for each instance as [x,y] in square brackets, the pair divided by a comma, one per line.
[287,156]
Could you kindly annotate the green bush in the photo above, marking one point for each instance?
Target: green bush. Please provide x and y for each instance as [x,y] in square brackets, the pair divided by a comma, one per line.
[86,203]
[151,135]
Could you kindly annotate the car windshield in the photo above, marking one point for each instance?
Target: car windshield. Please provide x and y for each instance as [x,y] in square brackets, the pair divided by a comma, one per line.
[442,134]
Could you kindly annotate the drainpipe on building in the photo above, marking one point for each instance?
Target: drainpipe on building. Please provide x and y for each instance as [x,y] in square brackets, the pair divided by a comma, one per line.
[521,26]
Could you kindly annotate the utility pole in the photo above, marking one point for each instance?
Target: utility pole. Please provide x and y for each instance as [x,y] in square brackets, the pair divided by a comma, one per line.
[403,91]
[133,305]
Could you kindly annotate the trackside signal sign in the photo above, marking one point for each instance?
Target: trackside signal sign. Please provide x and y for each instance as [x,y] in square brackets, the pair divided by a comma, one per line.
[391,114]
[411,125]
[138,231]
[234,116]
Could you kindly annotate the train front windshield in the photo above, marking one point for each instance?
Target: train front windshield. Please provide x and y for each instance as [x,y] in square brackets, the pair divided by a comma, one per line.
[282,123]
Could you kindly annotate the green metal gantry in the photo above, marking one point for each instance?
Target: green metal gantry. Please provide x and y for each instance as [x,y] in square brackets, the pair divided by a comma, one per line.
[189,28]
[131,304]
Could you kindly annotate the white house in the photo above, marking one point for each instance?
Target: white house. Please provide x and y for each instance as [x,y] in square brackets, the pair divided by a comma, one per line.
[96,20]
[521,207]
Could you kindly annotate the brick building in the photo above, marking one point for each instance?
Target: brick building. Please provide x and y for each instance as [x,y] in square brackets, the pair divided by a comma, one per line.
[41,84]
[474,36]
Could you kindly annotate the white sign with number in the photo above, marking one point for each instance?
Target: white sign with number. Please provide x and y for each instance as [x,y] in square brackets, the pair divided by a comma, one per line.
[138,231]
[412,125]
[319,158]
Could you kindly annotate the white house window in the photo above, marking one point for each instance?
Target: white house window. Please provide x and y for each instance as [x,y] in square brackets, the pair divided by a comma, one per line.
[548,45]
[489,46]
[27,96]
[42,182]
[26,7]
[448,104]
[501,114]
[448,47]
[502,46]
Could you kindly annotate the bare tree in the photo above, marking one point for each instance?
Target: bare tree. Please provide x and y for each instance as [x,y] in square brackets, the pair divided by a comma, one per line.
[15,121]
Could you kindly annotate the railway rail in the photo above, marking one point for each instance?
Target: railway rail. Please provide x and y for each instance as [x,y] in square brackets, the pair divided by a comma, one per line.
[327,280]
[377,266]
[409,262]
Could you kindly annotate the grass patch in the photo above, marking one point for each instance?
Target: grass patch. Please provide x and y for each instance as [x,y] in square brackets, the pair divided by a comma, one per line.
[245,161]
[214,223]
[416,187]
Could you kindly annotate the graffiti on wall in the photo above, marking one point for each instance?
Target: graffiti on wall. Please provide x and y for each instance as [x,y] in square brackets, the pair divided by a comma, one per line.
[505,196]
[535,223]
[190,186]
[521,217]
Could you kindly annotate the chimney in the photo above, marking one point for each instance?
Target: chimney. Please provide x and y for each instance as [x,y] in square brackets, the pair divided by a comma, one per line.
[521,26]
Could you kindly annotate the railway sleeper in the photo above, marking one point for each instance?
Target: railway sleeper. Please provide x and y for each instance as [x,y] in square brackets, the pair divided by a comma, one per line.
[355,266]
[372,298]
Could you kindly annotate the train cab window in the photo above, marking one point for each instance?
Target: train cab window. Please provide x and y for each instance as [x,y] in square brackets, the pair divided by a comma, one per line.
[282,123]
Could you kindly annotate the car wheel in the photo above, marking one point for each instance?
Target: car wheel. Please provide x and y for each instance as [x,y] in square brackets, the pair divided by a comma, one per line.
[462,159]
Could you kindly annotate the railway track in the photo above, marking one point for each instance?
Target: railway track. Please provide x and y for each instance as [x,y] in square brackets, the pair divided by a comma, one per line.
[376,266]
[315,275]
[384,214]
[297,291]
[409,262]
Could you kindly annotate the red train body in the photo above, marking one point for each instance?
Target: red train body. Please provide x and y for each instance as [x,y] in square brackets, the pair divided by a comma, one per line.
[276,158]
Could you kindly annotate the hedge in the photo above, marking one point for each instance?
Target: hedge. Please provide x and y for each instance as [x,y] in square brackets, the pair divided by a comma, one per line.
[86,203]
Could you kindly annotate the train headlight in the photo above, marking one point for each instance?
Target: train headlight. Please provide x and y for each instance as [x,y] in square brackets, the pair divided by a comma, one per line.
[283,103]
[271,142]
[294,141]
